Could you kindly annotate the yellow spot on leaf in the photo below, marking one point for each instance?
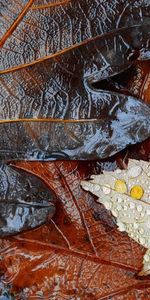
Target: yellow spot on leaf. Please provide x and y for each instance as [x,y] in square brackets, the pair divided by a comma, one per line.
[137,192]
[120,186]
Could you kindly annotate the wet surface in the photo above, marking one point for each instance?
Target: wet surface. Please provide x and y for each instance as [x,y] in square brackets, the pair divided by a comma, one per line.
[25,202]
[127,123]
[78,251]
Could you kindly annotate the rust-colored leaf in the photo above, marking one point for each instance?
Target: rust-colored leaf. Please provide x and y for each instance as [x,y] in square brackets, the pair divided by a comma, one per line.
[80,253]
[73,60]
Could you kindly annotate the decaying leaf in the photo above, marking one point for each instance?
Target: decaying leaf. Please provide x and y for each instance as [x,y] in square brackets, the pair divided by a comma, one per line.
[79,253]
[52,52]
[25,202]
[136,81]
[127,194]
[46,27]
[43,81]
[127,123]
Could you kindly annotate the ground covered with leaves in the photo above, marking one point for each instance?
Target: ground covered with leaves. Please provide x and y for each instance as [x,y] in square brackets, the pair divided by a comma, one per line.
[74,97]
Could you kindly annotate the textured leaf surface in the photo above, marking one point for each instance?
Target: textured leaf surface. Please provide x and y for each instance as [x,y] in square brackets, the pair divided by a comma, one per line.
[119,120]
[80,253]
[60,86]
[25,202]
[48,29]
[126,193]
[127,123]
[10,11]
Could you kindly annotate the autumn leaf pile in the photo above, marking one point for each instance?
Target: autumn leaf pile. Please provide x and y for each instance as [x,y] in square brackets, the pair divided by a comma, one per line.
[74,92]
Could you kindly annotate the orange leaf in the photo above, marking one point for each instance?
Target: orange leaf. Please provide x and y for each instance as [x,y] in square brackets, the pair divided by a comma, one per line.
[79,253]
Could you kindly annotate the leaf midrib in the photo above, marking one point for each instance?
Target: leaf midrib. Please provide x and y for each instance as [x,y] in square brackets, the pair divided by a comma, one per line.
[63,51]
[15,23]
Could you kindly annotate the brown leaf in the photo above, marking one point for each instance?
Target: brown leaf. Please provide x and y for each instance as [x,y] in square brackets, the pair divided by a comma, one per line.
[77,253]
[59,85]
[11,13]
[139,81]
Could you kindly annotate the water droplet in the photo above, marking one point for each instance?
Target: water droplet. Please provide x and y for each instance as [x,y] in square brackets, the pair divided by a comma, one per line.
[141,230]
[146,257]
[135,225]
[115,213]
[118,207]
[108,205]
[120,186]
[134,172]
[96,187]
[148,224]
[106,189]
[125,207]
[121,226]
[139,208]
[132,205]
[136,192]
[142,240]
[119,199]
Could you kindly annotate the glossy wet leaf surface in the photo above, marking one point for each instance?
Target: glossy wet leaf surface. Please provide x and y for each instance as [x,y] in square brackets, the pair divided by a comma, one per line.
[25,202]
[80,252]
[113,119]
[127,123]
[46,29]
[58,83]
[63,62]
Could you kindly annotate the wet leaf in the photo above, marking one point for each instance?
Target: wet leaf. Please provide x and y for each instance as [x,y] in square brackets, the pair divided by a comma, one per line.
[80,253]
[126,194]
[114,120]
[59,86]
[45,27]
[127,123]
[25,202]
[137,81]
[55,59]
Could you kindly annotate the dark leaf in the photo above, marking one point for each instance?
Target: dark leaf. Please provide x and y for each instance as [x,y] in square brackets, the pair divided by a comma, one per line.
[127,123]
[25,202]
[62,88]
[46,27]
[10,11]
[56,57]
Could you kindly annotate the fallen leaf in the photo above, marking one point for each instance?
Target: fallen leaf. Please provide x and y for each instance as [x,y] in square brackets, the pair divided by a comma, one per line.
[137,81]
[126,194]
[78,254]
[60,86]
[46,27]
[10,12]
[127,123]
[25,202]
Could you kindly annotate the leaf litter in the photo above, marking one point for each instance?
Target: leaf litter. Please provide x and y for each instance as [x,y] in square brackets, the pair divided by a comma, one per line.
[54,260]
